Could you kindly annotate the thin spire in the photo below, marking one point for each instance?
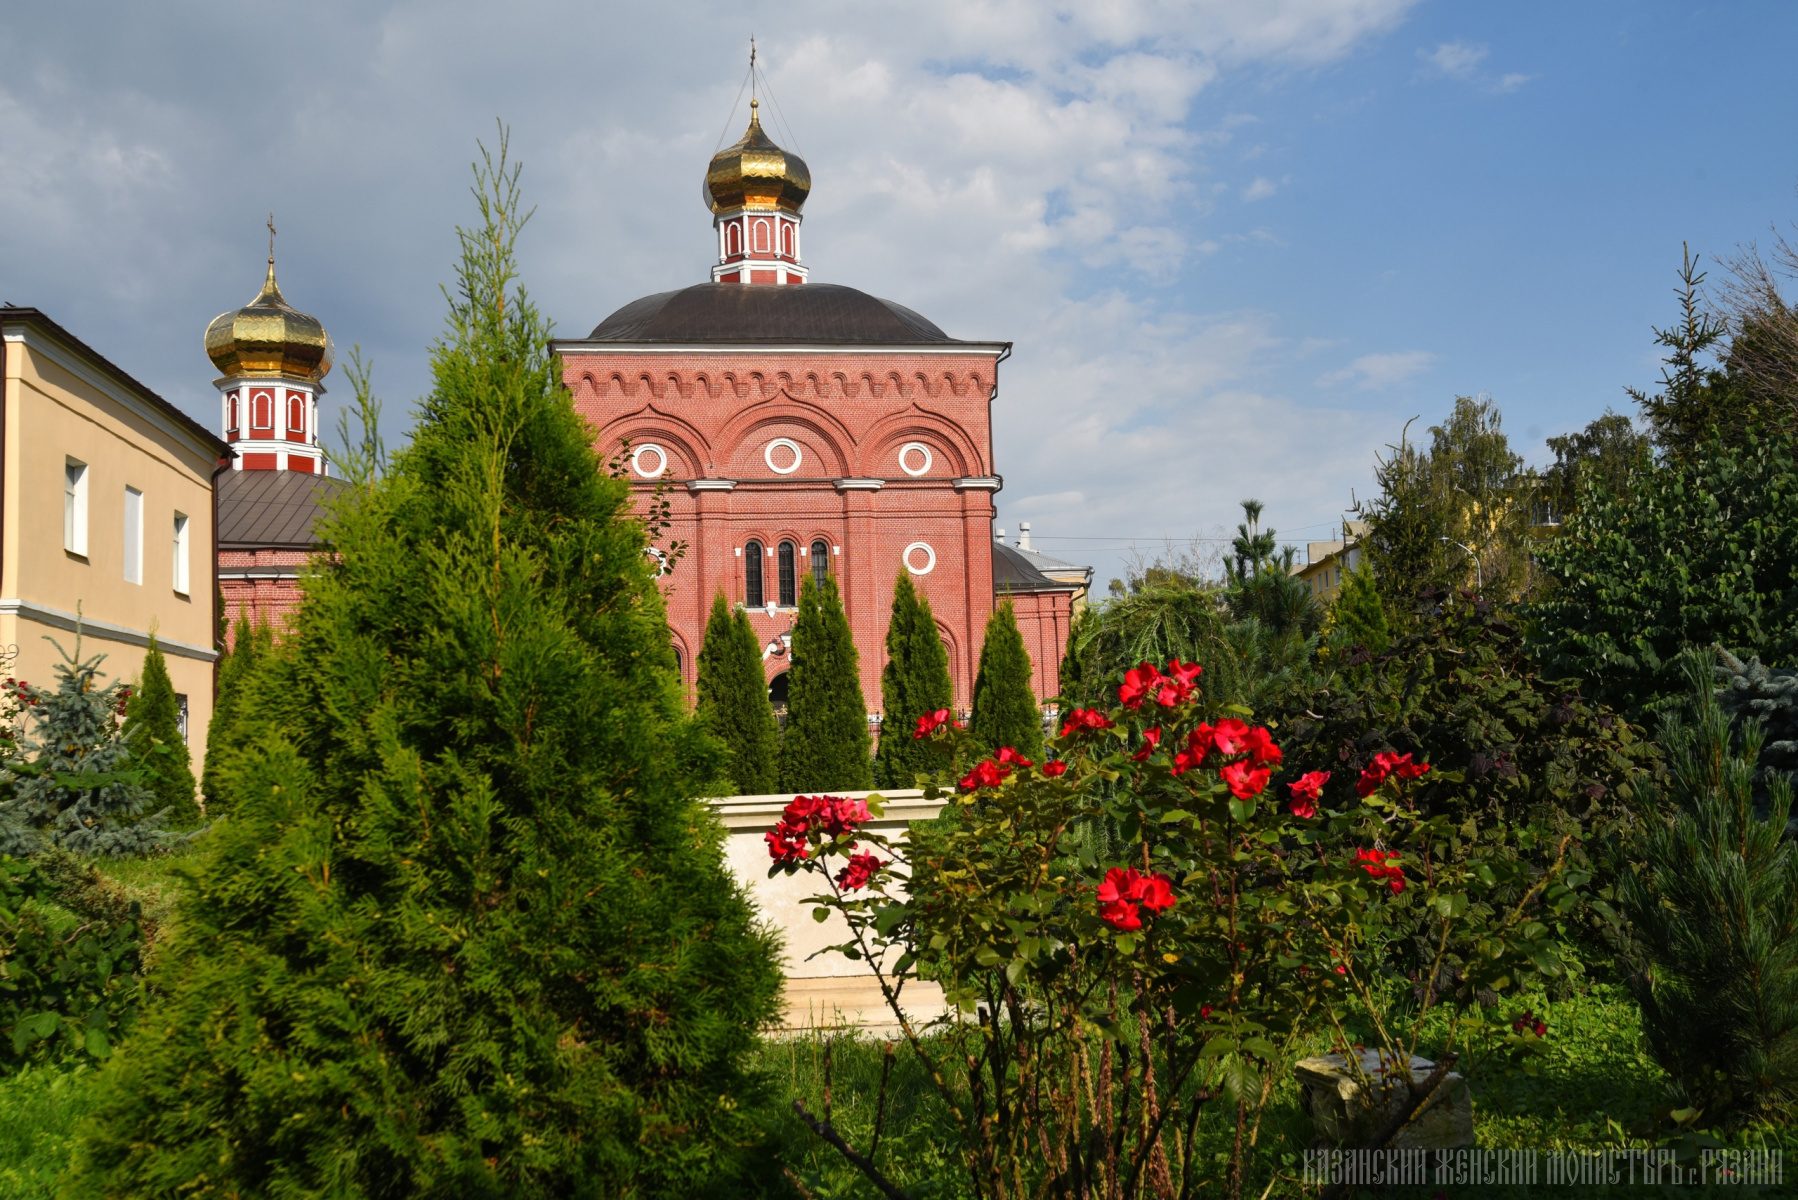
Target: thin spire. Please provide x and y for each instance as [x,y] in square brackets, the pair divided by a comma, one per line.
[271,239]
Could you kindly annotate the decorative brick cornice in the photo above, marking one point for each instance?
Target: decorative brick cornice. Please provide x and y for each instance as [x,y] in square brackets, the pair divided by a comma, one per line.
[858,485]
[978,483]
[609,379]
[710,485]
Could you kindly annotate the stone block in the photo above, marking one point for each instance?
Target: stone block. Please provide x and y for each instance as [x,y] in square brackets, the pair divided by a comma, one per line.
[1346,1112]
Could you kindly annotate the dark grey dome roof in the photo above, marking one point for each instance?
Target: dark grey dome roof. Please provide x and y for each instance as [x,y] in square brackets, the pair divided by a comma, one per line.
[768,312]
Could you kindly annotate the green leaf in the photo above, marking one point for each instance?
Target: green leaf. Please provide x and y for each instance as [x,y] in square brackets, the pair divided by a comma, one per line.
[1241,810]
[97,1043]
[820,915]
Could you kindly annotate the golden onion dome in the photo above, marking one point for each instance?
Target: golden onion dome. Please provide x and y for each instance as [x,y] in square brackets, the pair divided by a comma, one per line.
[268,336]
[757,174]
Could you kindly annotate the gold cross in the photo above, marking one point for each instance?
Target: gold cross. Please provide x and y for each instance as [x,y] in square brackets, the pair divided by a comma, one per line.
[271,238]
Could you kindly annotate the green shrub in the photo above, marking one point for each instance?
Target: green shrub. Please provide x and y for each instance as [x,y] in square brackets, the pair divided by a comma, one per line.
[464,932]
[1712,902]
[825,746]
[733,700]
[250,644]
[914,681]
[1005,705]
[168,769]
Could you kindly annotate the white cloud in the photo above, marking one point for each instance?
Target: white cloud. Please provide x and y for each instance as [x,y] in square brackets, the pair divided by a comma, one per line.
[1510,83]
[1374,372]
[1457,60]
[1261,189]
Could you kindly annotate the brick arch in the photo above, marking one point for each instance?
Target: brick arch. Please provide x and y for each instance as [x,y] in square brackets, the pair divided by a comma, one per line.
[881,444]
[649,424]
[822,425]
[956,666]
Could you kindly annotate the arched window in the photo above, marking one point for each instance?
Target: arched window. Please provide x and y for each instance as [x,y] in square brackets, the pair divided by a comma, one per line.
[678,666]
[752,575]
[789,583]
[761,237]
[734,239]
[786,239]
[820,562]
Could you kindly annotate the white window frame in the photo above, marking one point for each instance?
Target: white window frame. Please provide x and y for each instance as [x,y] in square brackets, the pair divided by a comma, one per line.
[74,506]
[134,535]
[182,525]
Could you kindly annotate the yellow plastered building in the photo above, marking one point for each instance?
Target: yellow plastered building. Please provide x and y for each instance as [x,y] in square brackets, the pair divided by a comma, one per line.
[106,511]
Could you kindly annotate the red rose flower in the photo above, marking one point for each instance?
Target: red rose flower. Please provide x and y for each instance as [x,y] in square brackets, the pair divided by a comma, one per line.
[1155,893]
[1013,758]
[861,868]
[1151,738]
[782,847]
[1231,736]
[1121,914]
[1138,683]
[1084,718]
[1404,768]
[1120,883]
[1310,785]
[929,723]
[1245,779]
[1260,745]
[987,774]
[1055,768]
[1372,776]
[1186,673]
[1124,890]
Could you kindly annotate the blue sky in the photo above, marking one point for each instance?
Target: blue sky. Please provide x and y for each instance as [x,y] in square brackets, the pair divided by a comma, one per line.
[1236,245]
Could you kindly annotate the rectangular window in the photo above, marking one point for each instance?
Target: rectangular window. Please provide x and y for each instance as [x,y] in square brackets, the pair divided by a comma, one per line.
[134,535]
[181,553]
[752,575]
[74,507]
[789,589]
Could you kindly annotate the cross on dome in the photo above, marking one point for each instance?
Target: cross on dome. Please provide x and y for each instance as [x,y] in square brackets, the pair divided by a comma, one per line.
[756,190]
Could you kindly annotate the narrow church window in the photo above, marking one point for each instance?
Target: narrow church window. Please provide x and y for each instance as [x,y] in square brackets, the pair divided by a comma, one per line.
[789,584]
[820,562]
[752,575]
[735,238]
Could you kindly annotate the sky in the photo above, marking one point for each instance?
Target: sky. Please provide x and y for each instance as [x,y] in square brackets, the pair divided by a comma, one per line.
[1237,246]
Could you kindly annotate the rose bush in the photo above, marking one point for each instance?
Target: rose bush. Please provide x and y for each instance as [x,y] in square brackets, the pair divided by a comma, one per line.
[1139,928]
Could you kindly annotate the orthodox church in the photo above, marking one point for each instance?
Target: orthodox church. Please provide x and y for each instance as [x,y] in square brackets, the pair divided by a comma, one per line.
[791,426]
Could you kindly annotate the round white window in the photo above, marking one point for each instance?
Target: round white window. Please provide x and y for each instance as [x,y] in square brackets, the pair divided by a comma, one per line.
[783,456]
[915,458]
[912,554]
[641,460]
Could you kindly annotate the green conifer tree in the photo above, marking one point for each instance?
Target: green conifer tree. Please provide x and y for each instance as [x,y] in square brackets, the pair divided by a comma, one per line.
[1005,707]
[733,699]
[915,681]
[825,747]
[1712,911]
[465,933]
[78,783]
[1360,616]
[162,751]
[249,645]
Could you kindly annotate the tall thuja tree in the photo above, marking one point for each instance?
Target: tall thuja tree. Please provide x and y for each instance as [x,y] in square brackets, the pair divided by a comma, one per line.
[79,784]
[1005,707]
[733,700]
[250,644]
[1712,908]
[466,934]
[825,746]
[915,681]
[156,715]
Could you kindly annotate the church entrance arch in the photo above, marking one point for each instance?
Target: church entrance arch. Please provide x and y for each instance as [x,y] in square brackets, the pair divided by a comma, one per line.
[777,696]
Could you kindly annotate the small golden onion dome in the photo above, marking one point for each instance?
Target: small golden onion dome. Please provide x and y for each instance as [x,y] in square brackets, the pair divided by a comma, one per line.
[268,336]
[757,174]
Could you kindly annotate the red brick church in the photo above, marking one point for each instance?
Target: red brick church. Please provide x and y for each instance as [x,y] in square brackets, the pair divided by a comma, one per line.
[798,426]
[794,427]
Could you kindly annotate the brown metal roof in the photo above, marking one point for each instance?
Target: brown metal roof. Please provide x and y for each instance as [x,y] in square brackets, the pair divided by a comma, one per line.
[1014,572]
[270,509]
[813,313]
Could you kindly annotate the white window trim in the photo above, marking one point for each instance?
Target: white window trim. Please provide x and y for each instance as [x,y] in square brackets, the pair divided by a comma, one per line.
[181,574]
[74,506]
[134,535]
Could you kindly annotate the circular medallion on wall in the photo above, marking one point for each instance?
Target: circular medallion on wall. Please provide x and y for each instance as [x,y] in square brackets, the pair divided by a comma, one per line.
[911,453]
[909,557]
[781,448]
[642,468]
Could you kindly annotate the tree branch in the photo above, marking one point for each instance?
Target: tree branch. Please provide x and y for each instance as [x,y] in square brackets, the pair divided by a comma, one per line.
[823,1129]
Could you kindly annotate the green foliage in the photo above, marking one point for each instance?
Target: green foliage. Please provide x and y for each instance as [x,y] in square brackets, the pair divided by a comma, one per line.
[1696,405]
[825,747]
[1608,450]
[168,769]
[1261,585]
[1750,691]
[1005,704]
[78,783]
[70,942]
[914,681]
[1712,901]
[464,933]
[1702,552]
[733,699]
[1360,615]
[250,645]
[1506,741]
